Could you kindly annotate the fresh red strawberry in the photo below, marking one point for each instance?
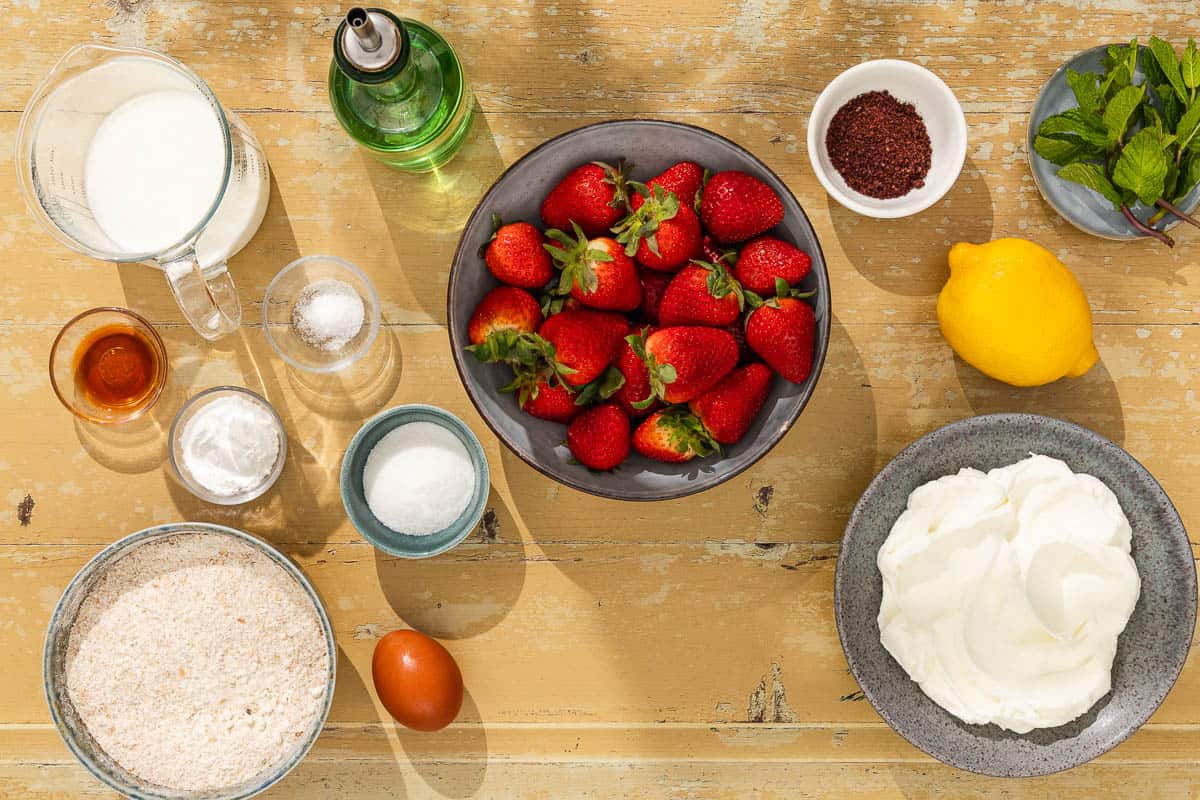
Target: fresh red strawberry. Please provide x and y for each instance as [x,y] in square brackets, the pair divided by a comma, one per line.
[595,271]
[599,437]
[661,232]
[766,258]
[636,387]
[685,361]
[585,342]
[714,253]
[783,330]
[729,408]
[673,435]
[504,308]
[551,402]
[677,241]
[515,255]
[701,294]
[592,195]
[684,179]
[738,331]
[735,207]
[653,286]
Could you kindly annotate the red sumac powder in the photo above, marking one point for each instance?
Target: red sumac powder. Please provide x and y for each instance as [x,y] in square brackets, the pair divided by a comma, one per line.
[879,146]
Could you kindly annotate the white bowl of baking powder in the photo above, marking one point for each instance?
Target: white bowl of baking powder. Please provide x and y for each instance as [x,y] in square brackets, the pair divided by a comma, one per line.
[227,445]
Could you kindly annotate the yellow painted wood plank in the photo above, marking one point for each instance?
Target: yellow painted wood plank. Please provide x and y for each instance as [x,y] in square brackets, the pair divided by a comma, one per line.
[360,780]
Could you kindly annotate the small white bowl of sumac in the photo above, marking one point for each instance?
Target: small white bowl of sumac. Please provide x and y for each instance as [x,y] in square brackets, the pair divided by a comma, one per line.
[887,138]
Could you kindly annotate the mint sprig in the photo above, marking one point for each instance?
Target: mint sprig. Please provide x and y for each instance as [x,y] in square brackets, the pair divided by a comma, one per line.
[1129,141]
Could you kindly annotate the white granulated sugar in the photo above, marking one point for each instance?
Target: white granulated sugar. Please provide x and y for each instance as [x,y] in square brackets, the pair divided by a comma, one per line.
[418,479]
[328,314]
[197,662]
[230,445]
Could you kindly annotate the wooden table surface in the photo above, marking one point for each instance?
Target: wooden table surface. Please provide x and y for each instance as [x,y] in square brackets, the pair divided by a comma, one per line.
[677,649]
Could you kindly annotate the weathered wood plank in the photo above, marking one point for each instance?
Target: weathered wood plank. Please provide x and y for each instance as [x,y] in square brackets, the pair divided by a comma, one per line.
[317,779]
[599,633]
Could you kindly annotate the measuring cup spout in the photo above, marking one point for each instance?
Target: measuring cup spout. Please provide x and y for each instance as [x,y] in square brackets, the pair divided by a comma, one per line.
[207,296]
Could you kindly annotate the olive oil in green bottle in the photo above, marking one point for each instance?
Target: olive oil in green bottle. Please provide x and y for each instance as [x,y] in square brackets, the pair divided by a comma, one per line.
[399,90]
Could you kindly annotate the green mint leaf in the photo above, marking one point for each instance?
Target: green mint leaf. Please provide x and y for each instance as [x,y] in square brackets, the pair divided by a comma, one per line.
[1164,54]
[1189,177]
[1092,176]
[1119,112]
[1063,149]
[1142,167]
[1172,180]
[1074,121]
[1189,65]
[1153,72]
[1086,88]
[1188,128]
[1172,108]
[1121,63]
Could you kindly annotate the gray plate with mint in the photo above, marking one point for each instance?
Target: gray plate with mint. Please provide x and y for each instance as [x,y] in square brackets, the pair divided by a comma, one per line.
[1150,652]
[1084,208]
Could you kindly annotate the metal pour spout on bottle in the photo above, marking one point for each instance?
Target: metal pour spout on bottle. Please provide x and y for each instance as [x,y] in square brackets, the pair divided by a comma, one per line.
[398,89]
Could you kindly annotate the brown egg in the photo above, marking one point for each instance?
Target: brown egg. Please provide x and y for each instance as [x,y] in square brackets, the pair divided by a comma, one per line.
[417,680]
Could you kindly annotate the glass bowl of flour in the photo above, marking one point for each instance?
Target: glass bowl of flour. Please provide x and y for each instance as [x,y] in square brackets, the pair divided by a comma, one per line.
[227,445]
[189,661]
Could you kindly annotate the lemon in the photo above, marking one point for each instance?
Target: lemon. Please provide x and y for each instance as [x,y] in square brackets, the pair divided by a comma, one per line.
[1014,312]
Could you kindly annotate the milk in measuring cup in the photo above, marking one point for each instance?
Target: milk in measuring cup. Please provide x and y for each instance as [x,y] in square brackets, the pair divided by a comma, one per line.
[122,155]
[154,169]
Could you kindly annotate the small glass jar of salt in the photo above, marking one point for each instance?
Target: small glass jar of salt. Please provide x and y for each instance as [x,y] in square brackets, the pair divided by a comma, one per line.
[321,313]
[328,314]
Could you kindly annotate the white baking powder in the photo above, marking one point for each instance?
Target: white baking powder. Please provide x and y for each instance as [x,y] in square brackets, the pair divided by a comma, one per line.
[230,445]
[328,314]
[418,479]
[197,662]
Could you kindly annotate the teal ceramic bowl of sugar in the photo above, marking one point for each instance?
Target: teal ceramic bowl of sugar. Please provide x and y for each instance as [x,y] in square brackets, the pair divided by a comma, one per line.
[395,543]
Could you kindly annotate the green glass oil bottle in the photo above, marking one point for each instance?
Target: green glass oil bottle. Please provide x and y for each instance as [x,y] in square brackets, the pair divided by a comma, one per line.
[399,90]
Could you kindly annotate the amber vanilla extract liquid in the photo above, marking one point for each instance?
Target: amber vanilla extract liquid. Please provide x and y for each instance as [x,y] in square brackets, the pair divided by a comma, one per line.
[117,367]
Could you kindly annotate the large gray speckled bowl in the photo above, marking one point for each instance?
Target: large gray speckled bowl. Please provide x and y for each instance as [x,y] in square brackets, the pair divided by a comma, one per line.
[1150,653]
[1083,208]
[652,146]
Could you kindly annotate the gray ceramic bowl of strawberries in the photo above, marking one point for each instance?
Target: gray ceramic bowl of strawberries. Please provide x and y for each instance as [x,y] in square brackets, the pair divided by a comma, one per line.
[650,146]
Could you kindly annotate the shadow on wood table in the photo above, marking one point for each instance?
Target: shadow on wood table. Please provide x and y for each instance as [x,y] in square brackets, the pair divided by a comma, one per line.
[1091,400]
[425,213]
[458,778]
[482,579]
[922,241]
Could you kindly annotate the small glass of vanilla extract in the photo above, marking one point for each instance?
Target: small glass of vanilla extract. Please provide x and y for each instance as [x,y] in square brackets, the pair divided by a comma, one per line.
[108,365]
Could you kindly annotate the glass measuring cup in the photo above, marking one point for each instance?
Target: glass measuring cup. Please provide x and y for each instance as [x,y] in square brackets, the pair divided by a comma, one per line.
[58,128]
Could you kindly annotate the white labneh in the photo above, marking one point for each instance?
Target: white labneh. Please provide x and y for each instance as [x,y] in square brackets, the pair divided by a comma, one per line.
[1004,593]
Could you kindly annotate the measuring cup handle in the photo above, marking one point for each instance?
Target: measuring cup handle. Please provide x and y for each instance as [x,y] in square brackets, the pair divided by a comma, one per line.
[207,296]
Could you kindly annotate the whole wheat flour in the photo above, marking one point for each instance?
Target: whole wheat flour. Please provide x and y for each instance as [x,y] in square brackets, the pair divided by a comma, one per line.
[197,662]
